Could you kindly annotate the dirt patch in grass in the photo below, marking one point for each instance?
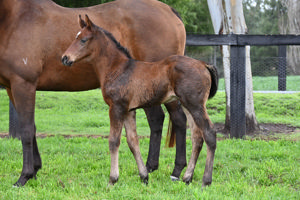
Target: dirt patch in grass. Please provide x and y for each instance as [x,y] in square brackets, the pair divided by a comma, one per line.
[267,131]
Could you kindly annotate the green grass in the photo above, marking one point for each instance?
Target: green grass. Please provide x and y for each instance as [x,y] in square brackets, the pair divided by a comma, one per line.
[270,83]
[78,168]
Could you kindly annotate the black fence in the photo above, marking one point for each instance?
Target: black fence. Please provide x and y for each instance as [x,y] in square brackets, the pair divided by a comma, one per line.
[237,45]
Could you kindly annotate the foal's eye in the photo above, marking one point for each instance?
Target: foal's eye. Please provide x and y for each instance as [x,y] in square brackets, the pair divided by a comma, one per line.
[83,40]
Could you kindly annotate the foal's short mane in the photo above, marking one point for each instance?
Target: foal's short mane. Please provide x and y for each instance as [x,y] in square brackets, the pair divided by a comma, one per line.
[119,46]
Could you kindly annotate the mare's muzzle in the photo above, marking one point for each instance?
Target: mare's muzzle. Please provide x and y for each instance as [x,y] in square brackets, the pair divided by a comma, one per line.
[65,60]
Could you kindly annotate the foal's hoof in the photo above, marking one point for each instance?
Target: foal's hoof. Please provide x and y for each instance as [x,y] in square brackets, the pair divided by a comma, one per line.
[187,180]
[144,179]
[206,183]
[112,180]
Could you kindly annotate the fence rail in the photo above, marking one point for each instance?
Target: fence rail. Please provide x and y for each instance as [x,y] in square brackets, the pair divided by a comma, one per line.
[242,40]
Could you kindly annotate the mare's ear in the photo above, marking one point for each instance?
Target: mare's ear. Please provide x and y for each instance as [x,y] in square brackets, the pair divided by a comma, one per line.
[89,23]
[81,22]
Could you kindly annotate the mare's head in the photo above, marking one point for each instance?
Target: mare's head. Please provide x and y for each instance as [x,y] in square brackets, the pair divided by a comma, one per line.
[84,45]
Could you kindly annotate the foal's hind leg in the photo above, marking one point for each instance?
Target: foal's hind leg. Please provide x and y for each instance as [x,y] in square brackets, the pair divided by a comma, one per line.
[133,143]
[205,128]
[197,143]
[211,142]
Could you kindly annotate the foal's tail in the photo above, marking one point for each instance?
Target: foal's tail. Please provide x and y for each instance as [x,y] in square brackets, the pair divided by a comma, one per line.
[214,80]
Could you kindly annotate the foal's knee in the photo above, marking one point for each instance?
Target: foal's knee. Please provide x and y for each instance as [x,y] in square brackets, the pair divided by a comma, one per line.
[211,138]
[114,143]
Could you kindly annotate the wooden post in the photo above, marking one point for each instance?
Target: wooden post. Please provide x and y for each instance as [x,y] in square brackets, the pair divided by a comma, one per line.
[237,92]
[282,68]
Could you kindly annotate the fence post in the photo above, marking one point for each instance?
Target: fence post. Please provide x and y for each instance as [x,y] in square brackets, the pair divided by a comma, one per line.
[282,68]
[237,91]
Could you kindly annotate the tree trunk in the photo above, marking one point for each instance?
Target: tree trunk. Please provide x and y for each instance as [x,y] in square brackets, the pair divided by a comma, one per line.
[228,17]
[290,23]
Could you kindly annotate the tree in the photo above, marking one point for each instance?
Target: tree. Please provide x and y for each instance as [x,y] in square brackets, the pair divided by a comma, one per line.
[290,24]
[228,17]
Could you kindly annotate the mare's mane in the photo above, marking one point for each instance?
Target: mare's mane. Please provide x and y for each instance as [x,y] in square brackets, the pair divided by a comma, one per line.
[113,39]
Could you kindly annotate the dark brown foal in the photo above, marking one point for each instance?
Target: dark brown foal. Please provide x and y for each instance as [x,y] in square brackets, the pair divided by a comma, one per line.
[128,84]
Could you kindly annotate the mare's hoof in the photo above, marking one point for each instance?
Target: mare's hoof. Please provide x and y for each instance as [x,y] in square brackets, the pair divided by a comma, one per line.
[21,182]
[151,169]
[174,178]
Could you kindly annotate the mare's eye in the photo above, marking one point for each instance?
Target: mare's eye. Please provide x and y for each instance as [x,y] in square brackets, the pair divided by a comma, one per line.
[83,40]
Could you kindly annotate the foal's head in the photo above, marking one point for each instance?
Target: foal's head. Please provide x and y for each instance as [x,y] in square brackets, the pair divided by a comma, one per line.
[84,45]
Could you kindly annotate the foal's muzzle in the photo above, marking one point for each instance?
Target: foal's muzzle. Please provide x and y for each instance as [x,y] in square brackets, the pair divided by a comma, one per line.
[65,60]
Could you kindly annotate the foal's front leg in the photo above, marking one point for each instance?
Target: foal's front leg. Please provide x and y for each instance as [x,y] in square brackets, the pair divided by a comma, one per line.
[116,124]
[133,143]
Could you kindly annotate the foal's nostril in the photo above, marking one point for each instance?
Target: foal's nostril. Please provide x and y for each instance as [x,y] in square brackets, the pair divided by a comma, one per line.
[64,60]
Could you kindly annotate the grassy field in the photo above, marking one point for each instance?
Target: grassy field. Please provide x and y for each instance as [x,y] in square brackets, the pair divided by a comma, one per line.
[270,83]
[86,112]
[78,167]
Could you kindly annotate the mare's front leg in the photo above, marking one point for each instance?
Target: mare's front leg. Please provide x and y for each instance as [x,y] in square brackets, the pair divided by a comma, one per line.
[36,155]
[133,143]
[178,119]
[23,95]
[116,115]
[155,116]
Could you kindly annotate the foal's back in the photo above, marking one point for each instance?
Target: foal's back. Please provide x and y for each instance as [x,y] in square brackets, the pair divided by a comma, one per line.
[154,83]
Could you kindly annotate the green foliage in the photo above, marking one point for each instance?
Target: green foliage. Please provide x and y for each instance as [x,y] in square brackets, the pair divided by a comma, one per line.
[262,17]
[195,15]
[78,168]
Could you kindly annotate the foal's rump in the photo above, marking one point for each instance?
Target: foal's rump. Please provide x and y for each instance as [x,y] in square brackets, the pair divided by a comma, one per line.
[194,71]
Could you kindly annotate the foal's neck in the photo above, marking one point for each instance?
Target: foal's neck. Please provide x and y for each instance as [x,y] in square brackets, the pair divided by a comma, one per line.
[110,58]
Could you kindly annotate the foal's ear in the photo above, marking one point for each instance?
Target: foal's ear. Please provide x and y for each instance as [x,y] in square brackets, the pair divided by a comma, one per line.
[81,22]
[88,22]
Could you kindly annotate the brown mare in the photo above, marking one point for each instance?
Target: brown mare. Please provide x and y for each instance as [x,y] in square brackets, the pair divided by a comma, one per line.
[33,36]
[128,84]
